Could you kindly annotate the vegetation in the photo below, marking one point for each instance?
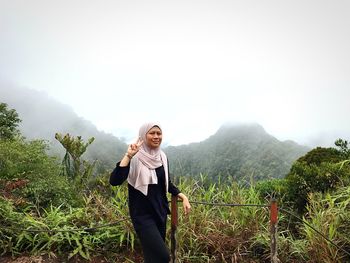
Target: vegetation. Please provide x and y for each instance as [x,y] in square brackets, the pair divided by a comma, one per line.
[243,153]
[77,170]
[46,211]
[9,120]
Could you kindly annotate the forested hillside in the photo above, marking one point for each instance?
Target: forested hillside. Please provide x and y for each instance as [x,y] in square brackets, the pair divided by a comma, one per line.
[243,152]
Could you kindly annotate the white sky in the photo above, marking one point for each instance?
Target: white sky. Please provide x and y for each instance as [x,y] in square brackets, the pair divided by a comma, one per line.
[190,65]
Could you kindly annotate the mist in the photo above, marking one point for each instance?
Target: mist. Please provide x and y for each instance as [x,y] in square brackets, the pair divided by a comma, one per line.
[190,65]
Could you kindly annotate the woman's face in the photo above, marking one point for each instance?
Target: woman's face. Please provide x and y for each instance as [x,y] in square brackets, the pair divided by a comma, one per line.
[154,137]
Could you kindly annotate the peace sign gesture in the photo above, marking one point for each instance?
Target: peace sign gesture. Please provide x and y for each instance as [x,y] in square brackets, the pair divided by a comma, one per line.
[134,148]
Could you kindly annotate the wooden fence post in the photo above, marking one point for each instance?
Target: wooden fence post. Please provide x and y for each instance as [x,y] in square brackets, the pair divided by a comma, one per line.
[174,220]
[273,230]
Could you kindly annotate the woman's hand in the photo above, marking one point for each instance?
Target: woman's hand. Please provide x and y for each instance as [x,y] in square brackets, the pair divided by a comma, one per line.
[185,203]
[134,148]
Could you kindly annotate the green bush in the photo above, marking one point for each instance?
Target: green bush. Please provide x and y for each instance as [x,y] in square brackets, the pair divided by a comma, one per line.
[320,155]
[8,122]
[28,161]
[318,171]
[305,179]
[274,188]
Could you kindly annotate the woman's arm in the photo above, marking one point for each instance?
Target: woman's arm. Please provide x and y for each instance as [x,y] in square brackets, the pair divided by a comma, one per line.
[175,191]
[185,203]
[121,171]
[119,174]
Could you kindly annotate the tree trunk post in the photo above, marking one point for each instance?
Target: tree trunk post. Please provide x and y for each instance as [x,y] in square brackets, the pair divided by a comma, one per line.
[273,230]
[174,220]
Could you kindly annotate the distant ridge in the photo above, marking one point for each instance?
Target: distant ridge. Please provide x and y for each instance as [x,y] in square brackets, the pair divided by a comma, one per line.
[43,116]
[240,151]
[253,131]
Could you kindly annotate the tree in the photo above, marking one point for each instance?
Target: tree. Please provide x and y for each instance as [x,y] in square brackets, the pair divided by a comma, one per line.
[75,168]
[9,121]
[319,170]
[320,155]
[344,147]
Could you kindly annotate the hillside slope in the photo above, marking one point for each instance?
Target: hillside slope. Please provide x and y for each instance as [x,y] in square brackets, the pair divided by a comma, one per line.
[243,152]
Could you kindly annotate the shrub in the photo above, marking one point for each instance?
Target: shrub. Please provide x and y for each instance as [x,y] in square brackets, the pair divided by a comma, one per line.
[28,162]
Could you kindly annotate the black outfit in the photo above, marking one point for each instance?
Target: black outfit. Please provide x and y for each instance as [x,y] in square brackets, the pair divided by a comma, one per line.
[148,213]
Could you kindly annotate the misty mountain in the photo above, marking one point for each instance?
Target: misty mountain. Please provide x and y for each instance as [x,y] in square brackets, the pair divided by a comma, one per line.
[243,152]
[43,116]
[238,151]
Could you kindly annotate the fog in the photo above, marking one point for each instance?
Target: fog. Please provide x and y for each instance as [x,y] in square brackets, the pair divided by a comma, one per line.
[190,65]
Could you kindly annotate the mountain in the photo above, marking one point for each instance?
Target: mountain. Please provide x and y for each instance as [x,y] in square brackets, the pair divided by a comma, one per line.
[239,151]
[43,116]
[243,152]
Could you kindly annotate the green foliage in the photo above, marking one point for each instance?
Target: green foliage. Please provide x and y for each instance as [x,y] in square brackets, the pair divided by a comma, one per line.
[215,233]
[243,153]
[305,179]
[275,188]
[9,121]
[9,217]
[210,233]
[23,159]
[28,162]
[75,168]
[329,214]
[320,170]
[63,231]
[344,148]
[319,155]
[289,248]
[57,218]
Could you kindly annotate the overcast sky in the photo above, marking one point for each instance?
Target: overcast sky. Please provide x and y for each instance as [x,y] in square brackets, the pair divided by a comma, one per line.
[191,65]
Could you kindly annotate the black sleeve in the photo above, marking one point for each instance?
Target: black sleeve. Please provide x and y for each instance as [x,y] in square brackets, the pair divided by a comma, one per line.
[119,174]
[173,189]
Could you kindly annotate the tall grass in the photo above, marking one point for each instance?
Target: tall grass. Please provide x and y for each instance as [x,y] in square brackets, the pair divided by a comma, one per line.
[329,214]
[209,234]
[66,231]
[217,233]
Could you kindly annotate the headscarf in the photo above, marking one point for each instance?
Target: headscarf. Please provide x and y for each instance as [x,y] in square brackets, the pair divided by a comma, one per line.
[146,160]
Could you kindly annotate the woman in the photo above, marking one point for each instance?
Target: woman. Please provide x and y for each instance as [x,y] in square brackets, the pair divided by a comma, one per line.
[145,166]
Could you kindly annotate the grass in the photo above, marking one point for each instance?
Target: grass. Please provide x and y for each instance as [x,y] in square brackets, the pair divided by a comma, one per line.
[209,234]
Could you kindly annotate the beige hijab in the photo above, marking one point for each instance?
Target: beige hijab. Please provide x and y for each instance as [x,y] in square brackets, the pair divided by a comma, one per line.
[146,160]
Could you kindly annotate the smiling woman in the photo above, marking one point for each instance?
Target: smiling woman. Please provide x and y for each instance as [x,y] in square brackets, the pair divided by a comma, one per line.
[145,167]
[154,137]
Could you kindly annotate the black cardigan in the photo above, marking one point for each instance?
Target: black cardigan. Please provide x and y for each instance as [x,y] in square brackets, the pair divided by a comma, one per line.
[150,209]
